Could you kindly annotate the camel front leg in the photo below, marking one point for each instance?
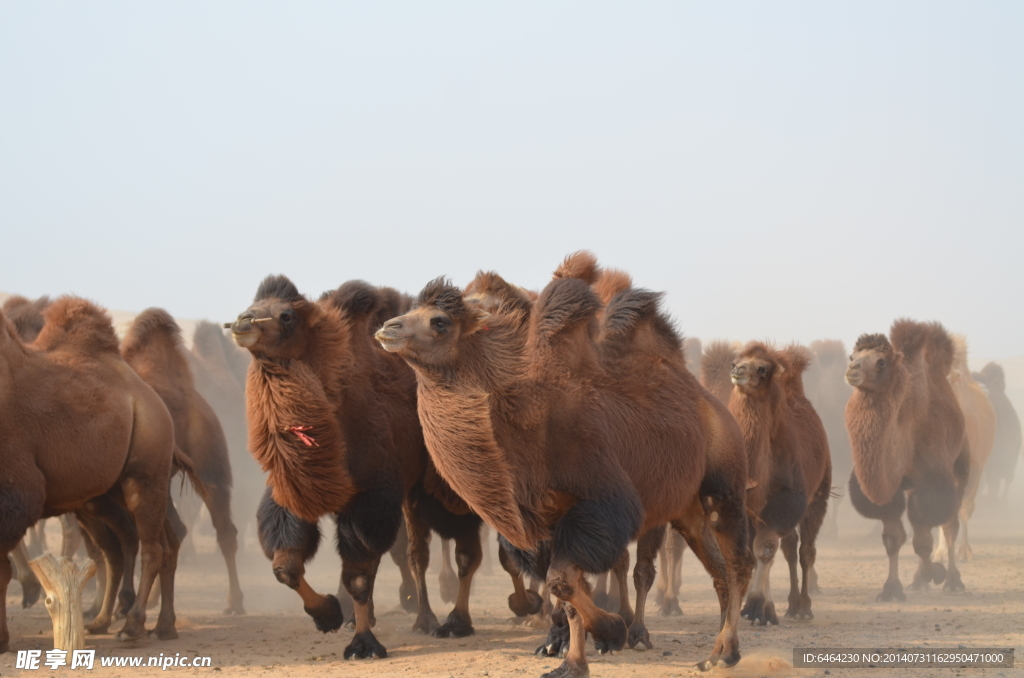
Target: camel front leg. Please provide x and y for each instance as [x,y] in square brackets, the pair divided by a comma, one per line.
[30,586]
[419,561]
[522,601]
[103,546]
[447,579]
[218,502]
[569,585]
[400,555]
[672,573]
[643,577]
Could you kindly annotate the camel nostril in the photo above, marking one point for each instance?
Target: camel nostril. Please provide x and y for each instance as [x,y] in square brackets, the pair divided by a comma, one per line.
[393,324]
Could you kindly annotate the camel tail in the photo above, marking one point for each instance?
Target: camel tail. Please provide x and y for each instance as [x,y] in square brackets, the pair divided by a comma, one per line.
[184,463]
[610,282]
[581,265]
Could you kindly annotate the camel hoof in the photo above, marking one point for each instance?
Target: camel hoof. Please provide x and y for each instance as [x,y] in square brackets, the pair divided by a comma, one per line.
[638,635]
[523,608]
[891,591]
[168,633]
[568,670]
[953,582]
[557,641]
[670,608]
[457,626]
[938,573]
[449,582]
[327,616]
[426,623]
[760,611]
[237,610]
[610,634]
[408,597]
[30,591]
[97,628]
[365,646]
[125,636]
[659,595]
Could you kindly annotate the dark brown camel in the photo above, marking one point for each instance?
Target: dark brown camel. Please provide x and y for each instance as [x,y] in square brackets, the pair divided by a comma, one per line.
[909,444]
[790,471]
[1006,449]
[332,420]
[154,349]
[828,393]
[111,440]
[560,439]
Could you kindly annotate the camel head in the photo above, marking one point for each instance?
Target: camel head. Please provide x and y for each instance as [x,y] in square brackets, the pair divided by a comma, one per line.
[275,325]
[872,363]
[430,334]
[755,368]
[992,378]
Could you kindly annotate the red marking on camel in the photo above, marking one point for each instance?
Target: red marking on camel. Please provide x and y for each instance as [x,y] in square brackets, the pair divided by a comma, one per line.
[298,430]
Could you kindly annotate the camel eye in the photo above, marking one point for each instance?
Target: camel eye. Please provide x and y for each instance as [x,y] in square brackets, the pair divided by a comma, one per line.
[762,370]
[440,324]
[286,316]
[881,363]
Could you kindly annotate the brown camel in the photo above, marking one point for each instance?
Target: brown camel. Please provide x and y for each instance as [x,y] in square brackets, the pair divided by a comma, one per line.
[909,445]
[154,349]
[980,419]
[1006,448]
[113,442]
[790,470]
[573,438]
[332,420]
[828,393]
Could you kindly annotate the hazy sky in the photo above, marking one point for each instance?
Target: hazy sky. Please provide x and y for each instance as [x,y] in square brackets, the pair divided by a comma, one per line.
[782,170]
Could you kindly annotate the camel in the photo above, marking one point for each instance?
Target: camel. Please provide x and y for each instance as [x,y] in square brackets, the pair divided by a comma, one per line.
[332,420]
[828,393]
[154,349]
[113,443]
[909,445]
[980,419]
[550,424]
[790,470]
[1007,445]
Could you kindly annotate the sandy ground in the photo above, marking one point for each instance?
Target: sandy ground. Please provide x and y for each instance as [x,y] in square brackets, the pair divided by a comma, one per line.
[276,638]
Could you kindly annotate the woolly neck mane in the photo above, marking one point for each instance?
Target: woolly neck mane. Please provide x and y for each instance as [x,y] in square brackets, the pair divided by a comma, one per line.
[458,408]
[308,480]
[72,323]
[716,368]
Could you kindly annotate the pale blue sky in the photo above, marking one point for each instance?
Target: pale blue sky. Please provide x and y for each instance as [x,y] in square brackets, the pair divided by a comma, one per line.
[782,170]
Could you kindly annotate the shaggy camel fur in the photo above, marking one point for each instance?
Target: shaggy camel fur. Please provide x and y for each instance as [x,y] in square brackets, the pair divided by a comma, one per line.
[790,470]
[980,419]
[716,369]
[154,349]
[113,443]
[828,393]
[909,445]
[332,420]
[1006,448]
[571,438]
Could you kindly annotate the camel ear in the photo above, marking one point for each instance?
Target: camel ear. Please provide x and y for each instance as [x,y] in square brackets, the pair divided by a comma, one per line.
[779,369]
[954,376]
[897,359]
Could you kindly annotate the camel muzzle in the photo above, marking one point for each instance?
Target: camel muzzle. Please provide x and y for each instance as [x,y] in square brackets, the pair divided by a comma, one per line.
[390,336]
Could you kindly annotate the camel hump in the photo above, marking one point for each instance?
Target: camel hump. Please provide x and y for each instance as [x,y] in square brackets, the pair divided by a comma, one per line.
[911,337]
[993,377]
[394,303]
[356,299]
[565,303]
[490,284]
[27,315]
[206,339]
[796,359]
[716,361]
[612,281]
[151,324]
[960,352]
[73,322]
[828,352]
[278,287]
[581,265]
[629,309]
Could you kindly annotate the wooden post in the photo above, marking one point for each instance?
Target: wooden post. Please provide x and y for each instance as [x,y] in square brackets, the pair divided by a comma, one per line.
[63,582]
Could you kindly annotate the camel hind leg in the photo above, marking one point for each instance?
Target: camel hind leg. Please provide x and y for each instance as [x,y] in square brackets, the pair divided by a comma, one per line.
[30,586]
[647,548]
[809,529]
[465,531]
[218,502]
[447,579]
[672,572]
[400,556]
[165,624]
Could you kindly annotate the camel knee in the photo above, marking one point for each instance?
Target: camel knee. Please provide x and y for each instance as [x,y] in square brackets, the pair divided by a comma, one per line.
[288,568]
[280,530]
[358,584]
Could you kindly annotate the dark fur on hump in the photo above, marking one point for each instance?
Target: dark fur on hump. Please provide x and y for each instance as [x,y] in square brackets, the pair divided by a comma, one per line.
[628,309]
[355,299]
[148,324]
[73,322]
[440,292]
[611,282]
[796,359]
[581,265]
[393,304]
[278,287]
[565,303]
[911,337]
[27,316]
[490,284]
